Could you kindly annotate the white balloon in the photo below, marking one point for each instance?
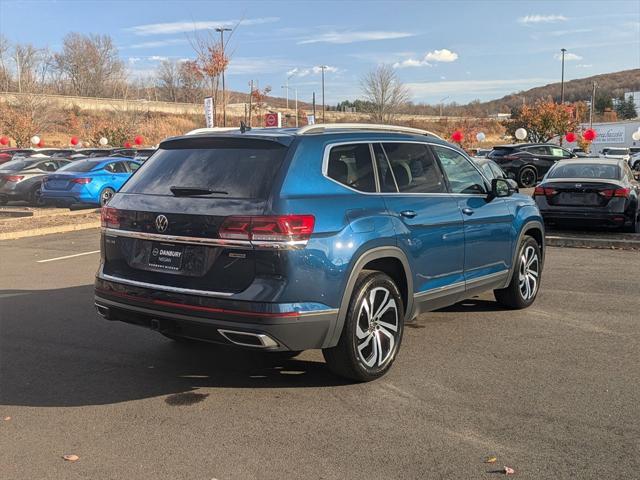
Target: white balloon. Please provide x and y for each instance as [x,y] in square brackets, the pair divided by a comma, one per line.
[480,136]
[103,141]
[35,139]
[521,133]
[636,135]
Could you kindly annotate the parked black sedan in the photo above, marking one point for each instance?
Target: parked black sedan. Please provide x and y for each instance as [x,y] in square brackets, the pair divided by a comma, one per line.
[20,179]
[590,192]
[527,163]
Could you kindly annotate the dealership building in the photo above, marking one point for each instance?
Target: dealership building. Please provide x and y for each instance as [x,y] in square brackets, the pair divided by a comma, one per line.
[613,134]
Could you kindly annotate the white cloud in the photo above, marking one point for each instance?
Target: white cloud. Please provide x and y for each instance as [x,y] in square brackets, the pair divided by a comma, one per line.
[569,57]
[304,72]
[159,43]
[133,60]
[584,65]
[183,27]
[352,37]
[542,19]
[473,87]
[158,58]
[443,55]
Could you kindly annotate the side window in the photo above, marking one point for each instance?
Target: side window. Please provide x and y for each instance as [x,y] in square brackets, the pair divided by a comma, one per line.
[497,171]
[486,169]
[462,176]
[351,165]
[539,150]
[133,166]
[387,180]
[558,152]
[116,167]
[414,168]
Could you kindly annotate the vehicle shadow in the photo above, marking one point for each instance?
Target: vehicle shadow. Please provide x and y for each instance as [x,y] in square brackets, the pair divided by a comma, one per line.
[56,351]
[474,304]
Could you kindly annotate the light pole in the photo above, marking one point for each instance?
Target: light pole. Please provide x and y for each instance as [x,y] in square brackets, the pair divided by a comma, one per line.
[591,107]
[322,67]
[224,100]
[562,78]
[441,104]
[296,104]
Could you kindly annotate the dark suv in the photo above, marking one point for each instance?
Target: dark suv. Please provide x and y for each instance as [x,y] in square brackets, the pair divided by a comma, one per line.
[328,237]
[527,163]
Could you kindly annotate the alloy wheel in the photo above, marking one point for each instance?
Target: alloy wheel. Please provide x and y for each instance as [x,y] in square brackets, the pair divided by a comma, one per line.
[529,273]
[377,328]
[528,177]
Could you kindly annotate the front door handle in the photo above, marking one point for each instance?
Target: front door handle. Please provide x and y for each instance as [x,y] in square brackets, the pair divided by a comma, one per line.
[408,213]
[467,211]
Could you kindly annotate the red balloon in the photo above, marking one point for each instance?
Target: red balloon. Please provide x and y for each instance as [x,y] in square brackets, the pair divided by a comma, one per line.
[127,144]
[74,140]
[41,143]
[571,137]
[589,135]
[457,136]
[138,140]
[4,140]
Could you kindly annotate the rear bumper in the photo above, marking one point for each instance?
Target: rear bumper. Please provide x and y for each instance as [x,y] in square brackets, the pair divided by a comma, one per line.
[68,196]
[273,327]
[585,217]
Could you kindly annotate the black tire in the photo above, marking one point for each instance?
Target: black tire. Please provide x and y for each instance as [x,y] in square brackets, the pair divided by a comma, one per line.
[529,260]
[105,196]
[527,177]
[368,343]
[634,227]
[34,196]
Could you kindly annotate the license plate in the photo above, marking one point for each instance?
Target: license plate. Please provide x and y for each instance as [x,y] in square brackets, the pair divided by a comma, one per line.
[166,256]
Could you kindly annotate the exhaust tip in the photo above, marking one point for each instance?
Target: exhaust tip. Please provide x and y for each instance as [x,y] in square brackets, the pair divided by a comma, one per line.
[248,339]
[102,311]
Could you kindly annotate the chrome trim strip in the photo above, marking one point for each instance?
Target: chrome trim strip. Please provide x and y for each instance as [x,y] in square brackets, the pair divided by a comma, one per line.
[438,290]
[213,242]
[265,340]
[456,286]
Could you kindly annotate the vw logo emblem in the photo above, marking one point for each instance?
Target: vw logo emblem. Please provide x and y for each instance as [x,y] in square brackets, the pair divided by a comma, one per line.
[162,223]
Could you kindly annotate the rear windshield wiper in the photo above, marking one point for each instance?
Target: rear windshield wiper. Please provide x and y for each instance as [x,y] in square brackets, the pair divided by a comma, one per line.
[195,191]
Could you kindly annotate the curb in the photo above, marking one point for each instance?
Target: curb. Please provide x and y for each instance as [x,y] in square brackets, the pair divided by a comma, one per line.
[44,214]
[36,232]
[590,242]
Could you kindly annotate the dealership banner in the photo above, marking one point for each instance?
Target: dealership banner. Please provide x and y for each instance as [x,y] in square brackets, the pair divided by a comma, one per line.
[208,112]
[609,134]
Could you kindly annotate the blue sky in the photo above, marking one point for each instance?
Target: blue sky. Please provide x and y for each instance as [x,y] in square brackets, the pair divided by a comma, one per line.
[458,50]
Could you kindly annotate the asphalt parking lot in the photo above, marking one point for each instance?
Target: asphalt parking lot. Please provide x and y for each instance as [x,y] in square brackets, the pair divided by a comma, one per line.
[553,391]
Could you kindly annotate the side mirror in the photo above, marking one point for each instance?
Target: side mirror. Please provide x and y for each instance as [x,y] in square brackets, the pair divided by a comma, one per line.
[503,187]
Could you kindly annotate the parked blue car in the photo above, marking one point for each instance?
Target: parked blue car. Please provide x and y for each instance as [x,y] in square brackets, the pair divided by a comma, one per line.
[91,180]
[327,237]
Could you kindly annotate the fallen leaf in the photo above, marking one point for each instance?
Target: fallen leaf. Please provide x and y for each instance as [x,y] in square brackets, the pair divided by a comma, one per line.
[491,460]
[6,419]
[509,470]
[75,458]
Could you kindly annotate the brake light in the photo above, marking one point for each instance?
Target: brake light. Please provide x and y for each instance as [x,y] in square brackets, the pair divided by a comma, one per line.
[110,217]
[280,228]
[81,181]
[549,192]
[13,178]
[617,192]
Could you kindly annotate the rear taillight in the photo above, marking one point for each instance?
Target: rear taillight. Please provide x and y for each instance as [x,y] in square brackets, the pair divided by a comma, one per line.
[13,178]
[617,192]
[81,181]
[110,217]
[549,192]
[281,228]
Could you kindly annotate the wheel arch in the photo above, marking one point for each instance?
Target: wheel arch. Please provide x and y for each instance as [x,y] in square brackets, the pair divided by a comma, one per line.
[388,259]
[532,228]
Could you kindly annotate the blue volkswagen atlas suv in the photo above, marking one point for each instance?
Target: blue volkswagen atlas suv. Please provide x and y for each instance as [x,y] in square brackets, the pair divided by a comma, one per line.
[325,237]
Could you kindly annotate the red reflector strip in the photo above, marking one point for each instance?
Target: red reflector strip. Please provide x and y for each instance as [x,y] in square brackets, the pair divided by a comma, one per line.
[13,178]
[200,308]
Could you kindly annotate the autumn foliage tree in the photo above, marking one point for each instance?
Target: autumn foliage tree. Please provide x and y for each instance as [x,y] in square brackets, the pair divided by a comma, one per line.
[543,121]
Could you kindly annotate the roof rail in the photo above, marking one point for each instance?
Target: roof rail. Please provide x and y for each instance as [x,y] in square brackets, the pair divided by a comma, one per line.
[321,127]
[211,130]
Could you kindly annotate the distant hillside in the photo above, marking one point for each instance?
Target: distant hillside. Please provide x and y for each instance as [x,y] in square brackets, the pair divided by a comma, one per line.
[574,90]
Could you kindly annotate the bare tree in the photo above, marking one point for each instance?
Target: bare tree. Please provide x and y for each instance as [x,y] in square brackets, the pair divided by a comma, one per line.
[384,92]
[169,80]
[191,81]
[5,75]
[90,63]
[26,115]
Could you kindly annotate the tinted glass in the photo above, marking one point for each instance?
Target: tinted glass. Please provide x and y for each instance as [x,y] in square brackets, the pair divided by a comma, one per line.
[586,170]
[116,167]
[414,168]
[49,166]
[538,150]
[241,172]
[351,165]
[462,176]
[16,165]
[617,151]
[387,182]
[500,152]
[133,166]
[486,169]
[80,166]
[497,171]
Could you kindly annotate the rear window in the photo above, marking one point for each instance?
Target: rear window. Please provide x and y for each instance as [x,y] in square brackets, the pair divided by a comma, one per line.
[80,166]
[617,151]
[241,169]
[586,170]
[16,165]
[500,152]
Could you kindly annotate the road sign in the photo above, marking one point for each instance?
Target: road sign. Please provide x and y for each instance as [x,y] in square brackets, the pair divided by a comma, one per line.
[273,120]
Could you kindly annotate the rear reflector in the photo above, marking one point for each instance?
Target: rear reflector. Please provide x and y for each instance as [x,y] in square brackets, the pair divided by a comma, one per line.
[81,181]
[281,228]
[13,178]
[110,217]
[618,192]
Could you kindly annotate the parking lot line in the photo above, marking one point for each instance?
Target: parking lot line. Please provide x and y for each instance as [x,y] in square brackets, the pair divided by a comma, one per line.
[67,256]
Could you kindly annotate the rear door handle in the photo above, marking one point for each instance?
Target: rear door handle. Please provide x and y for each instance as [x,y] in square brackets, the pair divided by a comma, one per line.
[467,211]
[408,213]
